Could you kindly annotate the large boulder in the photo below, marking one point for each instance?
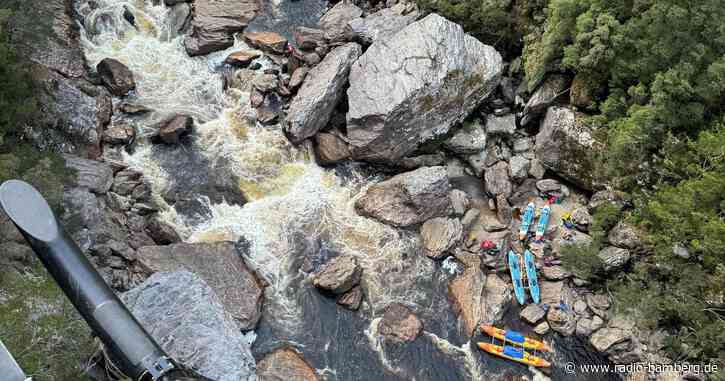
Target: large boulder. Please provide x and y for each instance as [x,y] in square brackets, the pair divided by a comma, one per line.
[440,235]
[221,267]
[339,275]
[93,175]
[552,89]
[561,321]
[409,198]
[320,93]
[116,76]
[614,258]
[400,323]
[381,25]
[331,148]
[215,22]
[532,313]
[285,364]
[625,236]
[477,297]
[497,179]
[335,21]
[187,318]
[415,86]
[267,41]
[470,139]
[566,146]
[606,337]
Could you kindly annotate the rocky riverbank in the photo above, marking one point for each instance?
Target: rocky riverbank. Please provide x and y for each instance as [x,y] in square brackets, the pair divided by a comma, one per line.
[419,140]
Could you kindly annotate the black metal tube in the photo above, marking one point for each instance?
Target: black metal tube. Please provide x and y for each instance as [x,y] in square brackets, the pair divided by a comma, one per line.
[133,350]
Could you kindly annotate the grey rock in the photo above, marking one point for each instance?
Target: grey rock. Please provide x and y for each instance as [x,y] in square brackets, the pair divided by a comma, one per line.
[537,170]
[8,231]
[415,162]
[470,218]
[614,258]
[194,328]
[598,303]
[400,323]
[561,321]
[298,77]
[221,267]
[548,186]
[681,251]
[162,232]
[566,146]
[320,93]
[309,38]
[519,168]
[542,328]
[331,149]
[523,144]
[477,162]
[215,22]
[312,59]
[501,125]
[351,299]
[335,21]
[551,292]
[497,179]
[607,197]
[496,151]
[507,90]
[381,25]
[15,254]
[582,219]
[126,181]
[470,139]
[625,236]
[409,198]
[586,326]
[398,101]
[545,95]
[460,202]
[116,76]
[338,275]
[285,364]
[93,175]
[554,273]
[606,337]
[504,212]
[177,21]
[440,235]
[532,313]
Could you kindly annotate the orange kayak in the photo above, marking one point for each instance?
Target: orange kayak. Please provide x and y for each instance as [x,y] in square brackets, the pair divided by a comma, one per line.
[514,354]
[514,337]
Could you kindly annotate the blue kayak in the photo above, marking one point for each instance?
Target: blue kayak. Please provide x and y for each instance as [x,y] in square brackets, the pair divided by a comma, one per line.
[543,222]
[531,276]
[516,277]
[526,220]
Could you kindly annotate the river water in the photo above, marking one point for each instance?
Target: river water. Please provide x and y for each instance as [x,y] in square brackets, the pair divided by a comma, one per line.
[298,214]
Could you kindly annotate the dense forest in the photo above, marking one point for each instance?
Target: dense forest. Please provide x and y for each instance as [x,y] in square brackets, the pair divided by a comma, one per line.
[651,74]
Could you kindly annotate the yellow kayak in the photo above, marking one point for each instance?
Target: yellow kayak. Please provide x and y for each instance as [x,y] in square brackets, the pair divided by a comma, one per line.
[514,354]
[515,337]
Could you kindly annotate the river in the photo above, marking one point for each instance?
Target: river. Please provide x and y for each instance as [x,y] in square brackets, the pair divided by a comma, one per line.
[297,216]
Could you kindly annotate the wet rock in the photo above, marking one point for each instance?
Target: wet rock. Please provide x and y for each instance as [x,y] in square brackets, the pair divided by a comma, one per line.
[532,313]
[298,77]
[120,134]
[440,235]
[334,22]
[331,149]
[267,41]
[470,139]
[215,22]
[195,328]
[582,219]
[177,21]
[625,236]
[566,146]
[311,109]
[133,108]
[125,182]
[309,38]
[561,321]
[614,258]
[554,273]
[175,129]
[497,179]
[400,323]
[460,202]
[221,267]
[116,76]
[93,175]
[519,168]
[242,58]
[285,364]
[503,210]
[162,232]
[501,125]
[339,275]
[586,326]
[351,299]
[392,111]
[381,25]
[409,198]
[269,111]
[544,96]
